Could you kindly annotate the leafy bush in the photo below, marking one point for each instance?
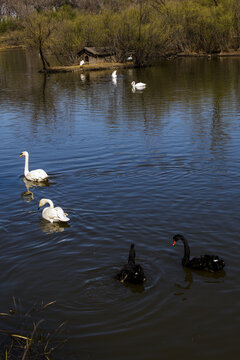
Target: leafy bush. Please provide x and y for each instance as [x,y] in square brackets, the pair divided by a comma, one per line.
[7,24]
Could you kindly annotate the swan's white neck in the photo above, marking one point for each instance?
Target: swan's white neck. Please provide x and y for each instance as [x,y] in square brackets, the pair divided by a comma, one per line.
[48,201]
[26,169]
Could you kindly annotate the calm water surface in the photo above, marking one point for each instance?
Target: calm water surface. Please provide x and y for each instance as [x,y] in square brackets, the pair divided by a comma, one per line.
[127,167]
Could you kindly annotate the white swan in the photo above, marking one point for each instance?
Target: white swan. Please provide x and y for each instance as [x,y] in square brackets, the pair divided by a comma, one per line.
[138,85]
[114,74]
[51,213]
[34,175]
[82,62]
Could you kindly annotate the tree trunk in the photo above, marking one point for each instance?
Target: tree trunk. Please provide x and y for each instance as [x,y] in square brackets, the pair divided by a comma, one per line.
[44,60]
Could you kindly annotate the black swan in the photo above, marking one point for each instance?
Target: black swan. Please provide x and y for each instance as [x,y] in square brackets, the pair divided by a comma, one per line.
[131,272]
[210,263]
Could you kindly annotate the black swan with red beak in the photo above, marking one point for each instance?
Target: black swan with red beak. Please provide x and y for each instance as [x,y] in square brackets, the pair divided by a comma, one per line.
[131,272]
[210,263]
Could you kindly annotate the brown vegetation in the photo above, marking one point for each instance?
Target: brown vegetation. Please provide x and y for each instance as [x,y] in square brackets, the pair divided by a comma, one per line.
[23,338]
[86,67]
[147,29]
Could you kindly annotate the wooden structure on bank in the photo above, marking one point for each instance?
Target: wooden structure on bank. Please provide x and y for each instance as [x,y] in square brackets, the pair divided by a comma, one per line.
[94,55]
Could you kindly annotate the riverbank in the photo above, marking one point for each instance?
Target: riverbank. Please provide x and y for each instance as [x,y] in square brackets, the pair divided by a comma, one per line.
[88,67]
[9,47]
[229,53]
[115,65]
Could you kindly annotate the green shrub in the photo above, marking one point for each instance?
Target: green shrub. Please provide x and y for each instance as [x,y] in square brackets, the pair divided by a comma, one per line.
[7,24]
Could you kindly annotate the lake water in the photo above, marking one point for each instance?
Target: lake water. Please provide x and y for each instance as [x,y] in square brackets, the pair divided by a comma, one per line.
[127,167]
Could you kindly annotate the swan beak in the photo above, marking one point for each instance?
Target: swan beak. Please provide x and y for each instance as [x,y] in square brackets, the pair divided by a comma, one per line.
[21,155]
[39,206]
[174,243]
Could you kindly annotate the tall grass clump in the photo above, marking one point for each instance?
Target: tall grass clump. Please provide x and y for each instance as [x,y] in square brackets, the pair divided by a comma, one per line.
[23,335]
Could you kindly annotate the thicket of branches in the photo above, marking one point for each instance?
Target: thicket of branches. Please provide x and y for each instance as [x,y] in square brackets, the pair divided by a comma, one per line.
[147,28]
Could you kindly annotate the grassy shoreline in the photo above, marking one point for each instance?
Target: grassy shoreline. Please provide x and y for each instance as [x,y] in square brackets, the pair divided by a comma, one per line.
[116,65]
[109,66]
[86,67]
[9,47]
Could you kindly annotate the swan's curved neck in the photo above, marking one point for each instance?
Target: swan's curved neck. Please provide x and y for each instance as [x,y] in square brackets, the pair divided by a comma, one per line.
[186,257]
[26,169]
[131,257]
[50,203]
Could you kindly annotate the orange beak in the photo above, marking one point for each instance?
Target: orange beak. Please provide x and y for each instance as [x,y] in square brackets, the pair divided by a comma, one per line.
[174,243]
[21,155]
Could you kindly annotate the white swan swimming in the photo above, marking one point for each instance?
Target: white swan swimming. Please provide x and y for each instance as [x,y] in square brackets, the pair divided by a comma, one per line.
[34,175]
[139,85]
[51,213]
[114,74]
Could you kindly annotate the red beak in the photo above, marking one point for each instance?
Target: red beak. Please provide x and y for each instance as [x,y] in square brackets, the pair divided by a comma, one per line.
[174,243]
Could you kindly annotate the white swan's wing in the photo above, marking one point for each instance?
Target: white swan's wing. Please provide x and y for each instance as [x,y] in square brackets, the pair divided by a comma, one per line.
[49,214]
[140,84]
[54,215]
[62,216]
[37,175]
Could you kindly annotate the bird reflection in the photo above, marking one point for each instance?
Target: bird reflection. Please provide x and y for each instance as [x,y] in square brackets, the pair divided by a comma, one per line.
[28,195]
[50,228]
[82,77]
[135,288]
[188,279]
[209,276]
[139,91]
[114,81]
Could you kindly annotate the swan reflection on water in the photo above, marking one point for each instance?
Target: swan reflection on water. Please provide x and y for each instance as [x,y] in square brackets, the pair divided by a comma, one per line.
[139,91]
[188,279]
[82,77]
[135,288]
[50,228]
[28,195]
[114,81]
[209,277]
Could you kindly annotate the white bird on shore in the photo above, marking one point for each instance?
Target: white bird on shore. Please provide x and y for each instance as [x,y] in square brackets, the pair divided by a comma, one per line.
[51,213]
[81,63]
[129,58]
[114,74]
[34,175]
[138,85]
